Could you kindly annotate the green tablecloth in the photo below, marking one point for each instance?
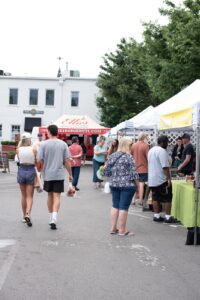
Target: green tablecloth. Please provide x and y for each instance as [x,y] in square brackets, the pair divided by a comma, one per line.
[183,203]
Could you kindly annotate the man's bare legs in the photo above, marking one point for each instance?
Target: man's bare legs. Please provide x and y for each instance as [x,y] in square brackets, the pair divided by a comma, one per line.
[53,204]
[141,192]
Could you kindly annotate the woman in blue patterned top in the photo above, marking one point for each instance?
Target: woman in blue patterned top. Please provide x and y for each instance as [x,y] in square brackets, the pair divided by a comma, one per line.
[120,167]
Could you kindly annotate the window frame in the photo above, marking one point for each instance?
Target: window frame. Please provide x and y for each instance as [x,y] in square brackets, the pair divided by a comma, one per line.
[30,96]
[12,89]
[14,132]
[72,98]
[53,97]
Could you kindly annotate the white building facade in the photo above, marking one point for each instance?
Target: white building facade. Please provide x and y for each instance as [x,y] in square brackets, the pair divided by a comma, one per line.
[26,102]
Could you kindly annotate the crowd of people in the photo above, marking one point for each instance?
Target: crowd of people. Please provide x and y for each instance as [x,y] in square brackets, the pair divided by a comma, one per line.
[129,166]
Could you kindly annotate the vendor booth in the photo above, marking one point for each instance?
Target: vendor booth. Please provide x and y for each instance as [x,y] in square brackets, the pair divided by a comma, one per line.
[183,111]
[138,121]
[82,126]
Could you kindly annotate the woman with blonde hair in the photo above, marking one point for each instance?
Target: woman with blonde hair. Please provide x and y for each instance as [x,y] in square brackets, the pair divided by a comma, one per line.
[120,167]
[26,175]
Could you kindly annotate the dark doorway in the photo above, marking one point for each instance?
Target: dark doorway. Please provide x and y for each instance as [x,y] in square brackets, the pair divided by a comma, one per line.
[32,122]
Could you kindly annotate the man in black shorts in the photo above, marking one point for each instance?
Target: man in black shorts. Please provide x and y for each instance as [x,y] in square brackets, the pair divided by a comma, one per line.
[53,158]
[159,180]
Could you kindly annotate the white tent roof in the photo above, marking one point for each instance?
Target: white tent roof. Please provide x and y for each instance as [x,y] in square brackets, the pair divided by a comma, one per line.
[131,122]
[184,99]
[188,97]
[150,117]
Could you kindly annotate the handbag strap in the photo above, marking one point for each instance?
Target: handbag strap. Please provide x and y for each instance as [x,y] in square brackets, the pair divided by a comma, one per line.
[118,158]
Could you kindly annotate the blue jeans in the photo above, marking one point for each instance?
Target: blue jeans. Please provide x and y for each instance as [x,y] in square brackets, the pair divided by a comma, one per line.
[122,197]
[75,174]
[96,166]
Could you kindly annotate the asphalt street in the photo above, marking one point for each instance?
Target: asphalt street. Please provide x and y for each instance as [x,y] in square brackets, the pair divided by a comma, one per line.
[81,260]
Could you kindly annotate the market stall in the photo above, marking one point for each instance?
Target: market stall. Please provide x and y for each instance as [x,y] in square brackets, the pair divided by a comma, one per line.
[183,111]
[82,126]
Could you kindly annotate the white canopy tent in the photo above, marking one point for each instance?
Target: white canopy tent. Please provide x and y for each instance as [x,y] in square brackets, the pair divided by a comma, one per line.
[183,110]
[128,124]
[176,112]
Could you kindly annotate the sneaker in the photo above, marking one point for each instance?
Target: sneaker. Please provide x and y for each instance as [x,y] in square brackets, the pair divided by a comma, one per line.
[53,225]
[23,220]
[160,219]
[77,189]
[171,220]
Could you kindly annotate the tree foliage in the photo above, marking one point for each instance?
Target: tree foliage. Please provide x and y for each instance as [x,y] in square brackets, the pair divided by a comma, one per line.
[122,83]
[172,52]
[167,60]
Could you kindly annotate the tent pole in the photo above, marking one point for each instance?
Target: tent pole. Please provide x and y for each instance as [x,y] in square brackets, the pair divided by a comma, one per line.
[197,184]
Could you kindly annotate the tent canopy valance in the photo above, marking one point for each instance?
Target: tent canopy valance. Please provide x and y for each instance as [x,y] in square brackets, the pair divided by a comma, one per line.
[76,124]
[182,110]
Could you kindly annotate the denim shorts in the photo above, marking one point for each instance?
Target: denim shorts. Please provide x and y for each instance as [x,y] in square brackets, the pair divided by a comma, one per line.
[143,177]
[122,197]
[26,174]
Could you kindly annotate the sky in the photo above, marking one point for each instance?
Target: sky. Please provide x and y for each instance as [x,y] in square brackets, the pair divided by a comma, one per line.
[34,33]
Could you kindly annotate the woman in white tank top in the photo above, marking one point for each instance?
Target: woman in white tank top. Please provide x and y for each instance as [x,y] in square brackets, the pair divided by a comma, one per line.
[26,175]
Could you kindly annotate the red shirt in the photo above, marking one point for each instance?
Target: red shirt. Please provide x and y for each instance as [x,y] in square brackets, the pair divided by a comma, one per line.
[139,151]
[75,150]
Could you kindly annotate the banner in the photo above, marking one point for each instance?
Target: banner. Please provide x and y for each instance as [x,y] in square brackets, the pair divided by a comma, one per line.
[182,118]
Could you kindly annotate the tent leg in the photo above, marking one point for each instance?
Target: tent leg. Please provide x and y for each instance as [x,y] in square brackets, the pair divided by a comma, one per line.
[197,186]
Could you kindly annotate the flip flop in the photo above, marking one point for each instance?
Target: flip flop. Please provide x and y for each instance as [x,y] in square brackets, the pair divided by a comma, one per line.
[127,233]
[115,232]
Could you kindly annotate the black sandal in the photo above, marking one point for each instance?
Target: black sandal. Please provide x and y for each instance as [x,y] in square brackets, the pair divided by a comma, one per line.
[28,221]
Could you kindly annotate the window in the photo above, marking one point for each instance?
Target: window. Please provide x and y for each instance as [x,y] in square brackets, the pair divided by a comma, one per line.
[50,97]
[33,99]
[31,122]
[0,130]
[15,130]
[13,97]
[74,99]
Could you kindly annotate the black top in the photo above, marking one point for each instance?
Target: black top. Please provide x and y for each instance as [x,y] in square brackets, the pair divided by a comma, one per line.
[188,150]
[177,152]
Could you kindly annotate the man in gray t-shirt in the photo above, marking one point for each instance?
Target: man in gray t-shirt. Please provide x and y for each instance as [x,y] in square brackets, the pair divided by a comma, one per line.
[159,180]
[53,158]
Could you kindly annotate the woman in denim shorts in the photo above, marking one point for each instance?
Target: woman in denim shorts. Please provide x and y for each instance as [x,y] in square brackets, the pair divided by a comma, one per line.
[121,168]
[26,175]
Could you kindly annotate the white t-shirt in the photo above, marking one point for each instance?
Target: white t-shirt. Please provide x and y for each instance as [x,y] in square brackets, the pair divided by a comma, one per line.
[157,160]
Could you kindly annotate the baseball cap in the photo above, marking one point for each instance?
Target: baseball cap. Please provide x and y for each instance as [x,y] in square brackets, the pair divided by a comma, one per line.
[25,135]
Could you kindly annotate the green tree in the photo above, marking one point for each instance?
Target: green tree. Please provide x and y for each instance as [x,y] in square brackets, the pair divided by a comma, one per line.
[172,51]
[124,91]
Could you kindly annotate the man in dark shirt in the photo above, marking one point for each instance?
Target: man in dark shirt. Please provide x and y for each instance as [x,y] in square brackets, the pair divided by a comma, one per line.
[186,166]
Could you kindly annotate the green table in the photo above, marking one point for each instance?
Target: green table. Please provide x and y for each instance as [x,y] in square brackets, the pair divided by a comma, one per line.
[183,203]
